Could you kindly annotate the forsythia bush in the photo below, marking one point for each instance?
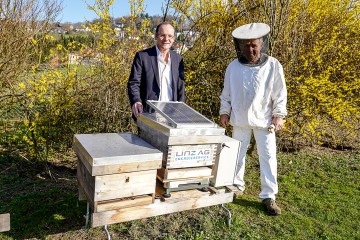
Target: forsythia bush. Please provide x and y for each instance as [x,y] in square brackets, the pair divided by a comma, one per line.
[322,40]
[316,41]
[86,95]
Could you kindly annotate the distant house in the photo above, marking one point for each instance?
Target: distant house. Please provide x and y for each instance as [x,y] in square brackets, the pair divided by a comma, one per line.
[85,57]
[87,29]
[73,58]
[59,30]
[118,28]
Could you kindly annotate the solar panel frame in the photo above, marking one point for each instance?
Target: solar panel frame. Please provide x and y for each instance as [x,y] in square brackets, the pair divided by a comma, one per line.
[180,115]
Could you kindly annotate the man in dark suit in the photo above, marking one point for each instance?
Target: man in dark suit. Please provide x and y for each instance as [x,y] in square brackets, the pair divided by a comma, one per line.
[157,73]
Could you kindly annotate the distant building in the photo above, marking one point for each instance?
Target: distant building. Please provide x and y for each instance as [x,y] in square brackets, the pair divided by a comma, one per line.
[87,29]
[59,30]
[84,57]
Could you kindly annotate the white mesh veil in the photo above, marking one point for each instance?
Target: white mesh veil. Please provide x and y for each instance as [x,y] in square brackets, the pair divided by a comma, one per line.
[247,32]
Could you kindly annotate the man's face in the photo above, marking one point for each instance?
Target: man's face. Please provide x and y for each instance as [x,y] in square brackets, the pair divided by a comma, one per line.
[165,37]
[251,50]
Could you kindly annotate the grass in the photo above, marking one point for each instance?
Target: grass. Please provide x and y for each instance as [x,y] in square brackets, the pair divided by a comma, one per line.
[319,196]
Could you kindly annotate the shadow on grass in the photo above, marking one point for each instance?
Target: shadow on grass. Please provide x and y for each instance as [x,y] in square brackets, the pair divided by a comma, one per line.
[38,204]
[249,203]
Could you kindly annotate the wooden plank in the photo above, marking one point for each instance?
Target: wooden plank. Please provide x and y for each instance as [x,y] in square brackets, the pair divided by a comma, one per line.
[232,188]
[126,167]
[123,203]
[116,168]
[183,173]
[180,201]
[124,185]
[83,159]
[188,164]
[4,222]
[213,190]
[184,182]
[194,193]
[86,182]
[180,181]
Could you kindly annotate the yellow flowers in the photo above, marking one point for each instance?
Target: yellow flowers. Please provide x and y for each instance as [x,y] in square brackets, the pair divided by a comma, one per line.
[21,85]
[49,37]
[34,41]
[59,47]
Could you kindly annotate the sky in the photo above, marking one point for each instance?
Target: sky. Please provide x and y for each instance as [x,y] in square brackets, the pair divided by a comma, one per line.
[76,10]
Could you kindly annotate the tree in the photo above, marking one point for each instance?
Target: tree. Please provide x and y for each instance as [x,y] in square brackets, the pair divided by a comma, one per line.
[86,95]
[22,27]
[319,51]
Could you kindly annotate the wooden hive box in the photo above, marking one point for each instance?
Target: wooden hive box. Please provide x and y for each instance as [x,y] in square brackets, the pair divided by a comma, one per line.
[182,147]
[116,170]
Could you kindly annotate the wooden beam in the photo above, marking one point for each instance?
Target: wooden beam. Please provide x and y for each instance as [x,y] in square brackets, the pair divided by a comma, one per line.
[124,203]
[179,201]
[184,173]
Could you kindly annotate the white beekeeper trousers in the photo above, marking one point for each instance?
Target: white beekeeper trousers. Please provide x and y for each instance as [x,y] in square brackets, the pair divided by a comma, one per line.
[266,148]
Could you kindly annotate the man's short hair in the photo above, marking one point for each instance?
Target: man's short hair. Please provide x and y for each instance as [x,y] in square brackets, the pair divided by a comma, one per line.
[161,24]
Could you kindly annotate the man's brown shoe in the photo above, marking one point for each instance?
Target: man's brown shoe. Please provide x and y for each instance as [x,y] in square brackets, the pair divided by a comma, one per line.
[271,206]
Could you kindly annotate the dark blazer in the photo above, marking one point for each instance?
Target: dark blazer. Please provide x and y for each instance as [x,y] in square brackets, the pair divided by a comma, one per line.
[144,80]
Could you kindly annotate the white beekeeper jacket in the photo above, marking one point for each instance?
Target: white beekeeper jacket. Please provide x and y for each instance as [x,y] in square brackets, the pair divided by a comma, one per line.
[252,95]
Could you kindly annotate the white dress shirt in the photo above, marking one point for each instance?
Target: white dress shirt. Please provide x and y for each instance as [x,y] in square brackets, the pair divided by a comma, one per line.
[166,93]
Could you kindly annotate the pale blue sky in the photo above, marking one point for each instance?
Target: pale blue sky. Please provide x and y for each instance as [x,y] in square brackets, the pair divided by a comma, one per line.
[76,10]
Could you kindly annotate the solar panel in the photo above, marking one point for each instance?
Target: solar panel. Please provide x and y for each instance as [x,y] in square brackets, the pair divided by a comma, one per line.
[180,114]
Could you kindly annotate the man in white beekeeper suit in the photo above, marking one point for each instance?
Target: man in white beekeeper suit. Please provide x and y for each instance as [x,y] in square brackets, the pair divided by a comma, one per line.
[254,98]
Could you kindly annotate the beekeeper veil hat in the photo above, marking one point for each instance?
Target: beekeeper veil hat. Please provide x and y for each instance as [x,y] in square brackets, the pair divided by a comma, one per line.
[251,31]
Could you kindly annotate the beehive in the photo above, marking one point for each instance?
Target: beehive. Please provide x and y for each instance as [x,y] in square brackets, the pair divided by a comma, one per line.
[116,170]
[188,140]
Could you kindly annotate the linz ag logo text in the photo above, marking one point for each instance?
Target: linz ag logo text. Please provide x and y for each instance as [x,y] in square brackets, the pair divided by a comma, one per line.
[201,154]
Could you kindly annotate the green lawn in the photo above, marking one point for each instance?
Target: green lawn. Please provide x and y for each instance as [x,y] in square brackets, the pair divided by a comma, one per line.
[319,196]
